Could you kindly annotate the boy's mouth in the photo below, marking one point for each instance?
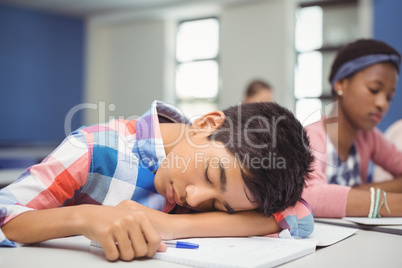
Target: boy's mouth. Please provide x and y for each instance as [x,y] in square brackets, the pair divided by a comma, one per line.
[170,194]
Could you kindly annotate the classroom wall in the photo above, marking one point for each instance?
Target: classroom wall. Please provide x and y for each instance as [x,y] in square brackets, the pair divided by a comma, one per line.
[257,42]
[125,68]
[130,62]
[387,21]
[41,74]
[131,59]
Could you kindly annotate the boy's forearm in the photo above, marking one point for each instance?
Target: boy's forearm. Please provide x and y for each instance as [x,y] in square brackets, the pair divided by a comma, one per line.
[39,225]
[215,224]
[131,230]
[206,224]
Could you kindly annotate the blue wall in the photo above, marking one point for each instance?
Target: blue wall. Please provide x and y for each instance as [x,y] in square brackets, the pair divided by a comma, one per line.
[41,74]
[387,27]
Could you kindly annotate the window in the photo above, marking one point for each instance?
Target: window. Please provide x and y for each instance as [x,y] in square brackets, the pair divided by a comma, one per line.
[197,69]
[321,29]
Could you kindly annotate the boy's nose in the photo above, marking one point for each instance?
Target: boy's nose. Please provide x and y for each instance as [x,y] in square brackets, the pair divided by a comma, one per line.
[196,195]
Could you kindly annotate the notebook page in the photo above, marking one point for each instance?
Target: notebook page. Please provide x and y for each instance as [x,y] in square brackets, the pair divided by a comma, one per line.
[238,252]
[325,234]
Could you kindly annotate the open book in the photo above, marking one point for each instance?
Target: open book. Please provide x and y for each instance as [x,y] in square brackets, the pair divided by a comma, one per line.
[253,251]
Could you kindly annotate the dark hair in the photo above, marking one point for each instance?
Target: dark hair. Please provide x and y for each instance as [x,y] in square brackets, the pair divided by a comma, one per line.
[246,128]
[360,48]
[256,86]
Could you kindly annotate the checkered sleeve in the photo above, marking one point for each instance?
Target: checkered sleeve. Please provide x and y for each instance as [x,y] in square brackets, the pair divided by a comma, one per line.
[52,183]
[298,220]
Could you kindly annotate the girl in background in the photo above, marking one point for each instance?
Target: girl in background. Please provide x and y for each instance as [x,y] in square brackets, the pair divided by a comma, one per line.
[363,76]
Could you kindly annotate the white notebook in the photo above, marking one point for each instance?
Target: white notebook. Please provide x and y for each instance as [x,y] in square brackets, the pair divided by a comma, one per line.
[253,251]
[326,235]
[238,252]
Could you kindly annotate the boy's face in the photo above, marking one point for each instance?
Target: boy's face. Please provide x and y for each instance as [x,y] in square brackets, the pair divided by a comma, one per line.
[202,175]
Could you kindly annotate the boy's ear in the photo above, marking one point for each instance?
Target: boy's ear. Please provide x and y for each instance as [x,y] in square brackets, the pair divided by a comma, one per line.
[209,122]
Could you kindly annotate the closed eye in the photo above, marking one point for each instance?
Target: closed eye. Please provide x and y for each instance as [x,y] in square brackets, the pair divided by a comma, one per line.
[210,182]
[206,176]
[213,205]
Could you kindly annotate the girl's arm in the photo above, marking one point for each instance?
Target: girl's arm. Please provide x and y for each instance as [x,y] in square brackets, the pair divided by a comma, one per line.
[393,186]
[358,203]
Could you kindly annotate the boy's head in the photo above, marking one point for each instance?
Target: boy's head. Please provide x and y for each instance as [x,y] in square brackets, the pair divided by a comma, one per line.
[272,149]
[246,157]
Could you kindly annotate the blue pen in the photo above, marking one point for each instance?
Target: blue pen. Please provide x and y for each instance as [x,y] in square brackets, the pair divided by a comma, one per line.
[175,244]
[180,244]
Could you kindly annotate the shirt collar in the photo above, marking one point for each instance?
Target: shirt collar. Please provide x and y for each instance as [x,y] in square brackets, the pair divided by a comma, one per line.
[148,133]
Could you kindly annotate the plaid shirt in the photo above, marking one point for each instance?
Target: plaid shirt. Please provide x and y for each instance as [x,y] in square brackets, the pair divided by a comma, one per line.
[106,164]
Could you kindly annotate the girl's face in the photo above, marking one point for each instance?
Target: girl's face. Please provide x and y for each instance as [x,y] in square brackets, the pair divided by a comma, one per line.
[367,95]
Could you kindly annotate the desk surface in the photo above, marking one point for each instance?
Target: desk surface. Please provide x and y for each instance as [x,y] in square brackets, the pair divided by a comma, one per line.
[363,249]
[68,253]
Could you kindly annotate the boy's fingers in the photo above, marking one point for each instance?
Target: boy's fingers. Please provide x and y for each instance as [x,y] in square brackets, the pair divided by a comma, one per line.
[126,251]
[136,237]
[138,242]
[110,248]
[162,247]
[151,236]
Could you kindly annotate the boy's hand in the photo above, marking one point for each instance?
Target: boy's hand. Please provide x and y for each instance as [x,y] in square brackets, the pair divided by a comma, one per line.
[123,233]
[163,222]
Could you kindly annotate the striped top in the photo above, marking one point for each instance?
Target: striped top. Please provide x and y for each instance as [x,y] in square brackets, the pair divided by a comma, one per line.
[343,173]
[105,164]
